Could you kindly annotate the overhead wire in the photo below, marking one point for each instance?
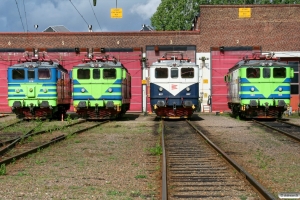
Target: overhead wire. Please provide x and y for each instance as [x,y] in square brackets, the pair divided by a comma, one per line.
[79,13]
[95,15]
[25,15]
[20,15]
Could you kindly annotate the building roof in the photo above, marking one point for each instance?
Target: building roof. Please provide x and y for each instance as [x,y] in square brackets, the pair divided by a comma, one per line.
[57,28]
[146,28]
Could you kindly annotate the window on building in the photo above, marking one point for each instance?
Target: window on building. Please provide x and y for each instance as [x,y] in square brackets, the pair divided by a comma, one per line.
[187,73]
[253,72]
[83,73]
[109,73]
[294,89]
[161,72]
[18,74]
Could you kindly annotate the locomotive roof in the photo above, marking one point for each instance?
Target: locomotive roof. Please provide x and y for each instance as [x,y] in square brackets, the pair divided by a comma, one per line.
[258,63]
[170,63]
[100,65]
[39,64]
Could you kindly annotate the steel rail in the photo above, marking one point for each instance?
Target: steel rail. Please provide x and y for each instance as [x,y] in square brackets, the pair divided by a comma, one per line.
[18,139]
[278,130]
[11,124]
[262,190]
[37,133]
[164,191]
[52,141]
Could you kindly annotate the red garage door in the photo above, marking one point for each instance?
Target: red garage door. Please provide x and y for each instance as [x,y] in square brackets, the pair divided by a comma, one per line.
[222,59]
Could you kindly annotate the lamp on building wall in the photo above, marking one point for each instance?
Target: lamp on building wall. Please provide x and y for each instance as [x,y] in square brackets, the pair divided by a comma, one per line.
[36,26]
[222,49]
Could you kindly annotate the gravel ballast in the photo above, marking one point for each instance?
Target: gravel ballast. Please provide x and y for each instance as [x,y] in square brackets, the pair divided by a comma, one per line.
[113,161]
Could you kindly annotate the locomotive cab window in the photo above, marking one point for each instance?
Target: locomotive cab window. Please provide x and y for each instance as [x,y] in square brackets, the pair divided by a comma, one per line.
[96,73]
[18,74]
[253,72]
[279,72]
[174,72]
[43,73]
[161,72]
[266,72]
[31,74]
[83,74]
[187,73]
[109,73]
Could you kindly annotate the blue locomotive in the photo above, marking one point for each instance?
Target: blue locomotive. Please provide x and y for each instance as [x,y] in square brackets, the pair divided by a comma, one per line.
[174,86]
[38,88]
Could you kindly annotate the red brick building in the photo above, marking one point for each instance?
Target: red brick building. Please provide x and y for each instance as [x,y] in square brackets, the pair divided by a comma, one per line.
[266,28]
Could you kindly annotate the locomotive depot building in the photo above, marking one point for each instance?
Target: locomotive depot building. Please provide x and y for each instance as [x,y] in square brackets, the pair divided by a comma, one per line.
[221,36]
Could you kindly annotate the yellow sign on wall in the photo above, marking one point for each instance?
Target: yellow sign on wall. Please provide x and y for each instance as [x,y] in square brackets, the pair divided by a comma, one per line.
[116,13]
[244,12]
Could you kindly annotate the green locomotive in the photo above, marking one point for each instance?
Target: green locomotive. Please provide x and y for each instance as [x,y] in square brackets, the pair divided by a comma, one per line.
[101,88]
[259,87]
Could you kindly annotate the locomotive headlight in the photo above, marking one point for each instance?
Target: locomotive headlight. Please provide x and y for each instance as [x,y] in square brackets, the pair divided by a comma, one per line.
[82,90]
[45,90]
[17,90]
[188,89]
[110,89]
[280,89]
[160,89]
[252,89]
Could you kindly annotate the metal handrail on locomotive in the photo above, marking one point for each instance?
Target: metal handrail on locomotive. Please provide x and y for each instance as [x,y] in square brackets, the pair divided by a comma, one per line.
[259,87]
[101,88]
[174,86]
[38,87]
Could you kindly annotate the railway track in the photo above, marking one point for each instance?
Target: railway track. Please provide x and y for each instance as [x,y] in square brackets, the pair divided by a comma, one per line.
[195,170]
[31,142]
[288,129]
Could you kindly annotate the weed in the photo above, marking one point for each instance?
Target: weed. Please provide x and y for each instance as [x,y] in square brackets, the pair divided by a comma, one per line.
[22,173]
[30,139]
[115,193]
[156,151]
[242,197]
[262,159]
[39,162]
[69,119]
[135,193]
[2,169]
[140,176]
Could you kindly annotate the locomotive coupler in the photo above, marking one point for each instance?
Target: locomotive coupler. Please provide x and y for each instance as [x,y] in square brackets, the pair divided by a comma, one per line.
[174,106]
[96,108]
[31,108]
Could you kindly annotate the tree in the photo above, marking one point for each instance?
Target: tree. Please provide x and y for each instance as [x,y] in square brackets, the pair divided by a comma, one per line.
[174,15]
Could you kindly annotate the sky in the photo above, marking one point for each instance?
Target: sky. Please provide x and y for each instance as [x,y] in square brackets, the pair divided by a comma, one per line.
[75,15]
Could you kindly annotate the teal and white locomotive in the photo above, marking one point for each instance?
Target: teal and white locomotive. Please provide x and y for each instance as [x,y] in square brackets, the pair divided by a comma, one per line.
[259,87]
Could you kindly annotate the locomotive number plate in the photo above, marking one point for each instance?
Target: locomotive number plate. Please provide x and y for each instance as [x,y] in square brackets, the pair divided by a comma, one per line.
[188,93]
[252,95]
[279,94]
[160,93]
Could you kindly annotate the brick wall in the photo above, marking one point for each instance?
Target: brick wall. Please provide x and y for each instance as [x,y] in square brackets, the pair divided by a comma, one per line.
[274,27]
